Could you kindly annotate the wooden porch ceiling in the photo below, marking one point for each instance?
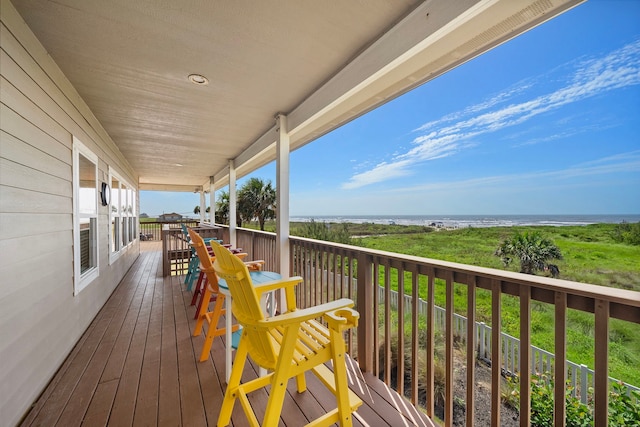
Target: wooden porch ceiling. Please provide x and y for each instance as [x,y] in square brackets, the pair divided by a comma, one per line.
[137,365]
[322,63]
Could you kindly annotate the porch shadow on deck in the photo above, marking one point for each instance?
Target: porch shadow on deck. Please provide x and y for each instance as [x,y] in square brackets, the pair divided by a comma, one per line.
[137,365]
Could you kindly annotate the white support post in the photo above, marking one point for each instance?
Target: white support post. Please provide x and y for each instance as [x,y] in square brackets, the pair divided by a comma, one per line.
[203,207]
[282,200]
[233,204]
[212,202]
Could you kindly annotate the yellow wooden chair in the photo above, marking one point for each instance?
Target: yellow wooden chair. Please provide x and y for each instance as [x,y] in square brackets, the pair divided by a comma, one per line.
[287,345]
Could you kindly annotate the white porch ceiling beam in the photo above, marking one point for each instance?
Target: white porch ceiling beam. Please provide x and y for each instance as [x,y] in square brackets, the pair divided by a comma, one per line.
[436,37]
[170,187]
[252,158]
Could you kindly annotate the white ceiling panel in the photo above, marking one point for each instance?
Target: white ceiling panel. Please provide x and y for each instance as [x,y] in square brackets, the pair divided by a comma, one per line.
[322,62]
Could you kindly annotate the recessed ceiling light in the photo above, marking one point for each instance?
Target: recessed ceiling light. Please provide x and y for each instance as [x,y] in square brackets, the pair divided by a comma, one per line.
[198,79]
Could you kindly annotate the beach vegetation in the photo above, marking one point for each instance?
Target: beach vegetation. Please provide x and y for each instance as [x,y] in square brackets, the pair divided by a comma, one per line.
[329,232]
[530,248]
[257,201]
[222,208]
[626,232]
[623,409]
[196,210]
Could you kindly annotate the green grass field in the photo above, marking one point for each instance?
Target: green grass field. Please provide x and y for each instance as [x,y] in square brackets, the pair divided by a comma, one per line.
[590,256]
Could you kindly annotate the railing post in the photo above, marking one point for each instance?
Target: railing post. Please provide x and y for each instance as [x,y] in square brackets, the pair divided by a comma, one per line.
[166,264]
[496,354]
[365,308]
[584,383]
[560,359]
[524,355]
[484,352]
[448,388]
[470,326]
[600,375]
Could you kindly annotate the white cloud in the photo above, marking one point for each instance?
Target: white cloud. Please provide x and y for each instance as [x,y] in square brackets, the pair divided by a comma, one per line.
[500,98]
[450,134]
[380,172]
[620,163]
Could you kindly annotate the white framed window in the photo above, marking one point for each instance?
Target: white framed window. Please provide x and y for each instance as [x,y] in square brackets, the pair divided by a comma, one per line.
[85,216]
[122,215]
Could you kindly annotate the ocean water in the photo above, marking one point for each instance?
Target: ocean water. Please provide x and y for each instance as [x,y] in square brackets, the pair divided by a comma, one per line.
[463,221]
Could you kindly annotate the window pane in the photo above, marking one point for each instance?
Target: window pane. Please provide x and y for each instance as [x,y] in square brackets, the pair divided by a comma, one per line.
[130,213]
[129,202]
[115,196]
[87,244]
[123,200]
[115,232]
[115,221]
[124,203]
[88,200]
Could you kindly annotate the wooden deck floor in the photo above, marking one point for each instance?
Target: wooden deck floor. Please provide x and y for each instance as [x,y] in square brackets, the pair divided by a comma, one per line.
[137,365]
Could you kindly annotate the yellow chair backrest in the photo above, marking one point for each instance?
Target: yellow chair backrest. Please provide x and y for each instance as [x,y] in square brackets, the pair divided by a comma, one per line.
[246,305]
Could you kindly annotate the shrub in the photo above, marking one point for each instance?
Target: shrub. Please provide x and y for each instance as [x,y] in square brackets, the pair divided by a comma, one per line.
[338,233]
[628,233]
[624,409]
[532,250]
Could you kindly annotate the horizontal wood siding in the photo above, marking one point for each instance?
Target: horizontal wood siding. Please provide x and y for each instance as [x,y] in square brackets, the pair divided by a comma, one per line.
[40,319]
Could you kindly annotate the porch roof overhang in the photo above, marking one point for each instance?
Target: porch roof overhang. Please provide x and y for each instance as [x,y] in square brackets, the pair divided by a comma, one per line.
[321,63]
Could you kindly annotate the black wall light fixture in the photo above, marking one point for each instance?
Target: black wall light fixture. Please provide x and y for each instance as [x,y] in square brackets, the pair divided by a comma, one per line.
[105,194]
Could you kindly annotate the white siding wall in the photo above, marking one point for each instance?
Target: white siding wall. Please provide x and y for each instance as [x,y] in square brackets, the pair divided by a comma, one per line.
[40,319]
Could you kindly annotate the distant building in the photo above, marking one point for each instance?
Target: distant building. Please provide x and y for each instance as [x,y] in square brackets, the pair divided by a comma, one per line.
[144,215]
[170,217]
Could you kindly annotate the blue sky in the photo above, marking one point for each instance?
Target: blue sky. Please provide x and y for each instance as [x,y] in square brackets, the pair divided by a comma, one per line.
[547,123]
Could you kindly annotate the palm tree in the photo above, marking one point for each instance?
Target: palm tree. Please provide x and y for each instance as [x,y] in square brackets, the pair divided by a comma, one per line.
[222,208]
[532,249]
[196,210]
[257,200]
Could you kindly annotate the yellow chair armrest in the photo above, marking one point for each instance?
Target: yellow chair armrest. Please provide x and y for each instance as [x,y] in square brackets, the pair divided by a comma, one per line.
[277,284]
[301,315]
[342,319]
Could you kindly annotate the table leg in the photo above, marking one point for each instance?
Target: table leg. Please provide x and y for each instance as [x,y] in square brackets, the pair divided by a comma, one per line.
[263,301]
[228,326]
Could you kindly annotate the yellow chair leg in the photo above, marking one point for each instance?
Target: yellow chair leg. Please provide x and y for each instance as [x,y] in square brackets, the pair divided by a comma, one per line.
[340,371]
[280,378]
[301,382]
[231,394]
